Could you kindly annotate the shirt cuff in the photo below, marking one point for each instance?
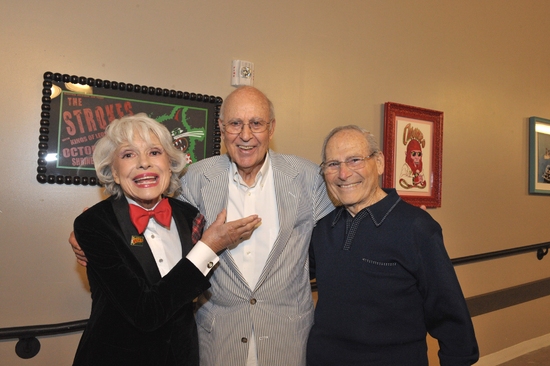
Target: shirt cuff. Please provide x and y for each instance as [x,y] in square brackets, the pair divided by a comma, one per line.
[203,257]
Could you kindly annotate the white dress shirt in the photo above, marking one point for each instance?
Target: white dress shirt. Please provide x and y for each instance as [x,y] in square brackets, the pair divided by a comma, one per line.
[251,255]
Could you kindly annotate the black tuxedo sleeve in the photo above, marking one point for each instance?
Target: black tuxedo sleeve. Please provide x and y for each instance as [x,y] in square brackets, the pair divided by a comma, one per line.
[114,272]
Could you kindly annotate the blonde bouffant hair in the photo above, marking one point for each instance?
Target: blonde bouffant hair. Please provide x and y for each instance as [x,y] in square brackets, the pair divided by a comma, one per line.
[124,130]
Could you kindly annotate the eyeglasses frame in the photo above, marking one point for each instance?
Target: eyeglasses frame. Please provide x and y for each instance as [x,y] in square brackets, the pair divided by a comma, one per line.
[364,159]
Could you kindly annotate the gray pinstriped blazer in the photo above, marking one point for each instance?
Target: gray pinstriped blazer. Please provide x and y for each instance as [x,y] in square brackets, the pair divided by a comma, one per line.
[280,308]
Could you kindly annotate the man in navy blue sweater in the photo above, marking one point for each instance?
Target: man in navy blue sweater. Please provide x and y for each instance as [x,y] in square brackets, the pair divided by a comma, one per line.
[384,277]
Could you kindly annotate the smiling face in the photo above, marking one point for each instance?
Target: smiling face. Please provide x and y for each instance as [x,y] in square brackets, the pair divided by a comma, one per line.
[355,189]
[142,170]
[248,150]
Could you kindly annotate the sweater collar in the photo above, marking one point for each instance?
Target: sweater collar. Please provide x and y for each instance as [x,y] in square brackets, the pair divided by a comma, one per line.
[378,212]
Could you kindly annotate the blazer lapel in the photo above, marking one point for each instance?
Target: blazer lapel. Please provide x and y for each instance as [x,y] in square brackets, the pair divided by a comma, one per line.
[287,195]
[142,252]
[215,196]
[184,230]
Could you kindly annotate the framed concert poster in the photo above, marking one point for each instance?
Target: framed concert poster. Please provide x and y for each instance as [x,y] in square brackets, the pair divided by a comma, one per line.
[76,109]
[413,149]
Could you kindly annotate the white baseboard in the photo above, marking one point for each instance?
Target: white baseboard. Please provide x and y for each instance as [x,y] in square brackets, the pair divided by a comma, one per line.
[515,351]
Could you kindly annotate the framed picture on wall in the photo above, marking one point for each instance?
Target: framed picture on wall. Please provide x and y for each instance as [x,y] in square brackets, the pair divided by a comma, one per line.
[539,155]
[413,149]
[76,110]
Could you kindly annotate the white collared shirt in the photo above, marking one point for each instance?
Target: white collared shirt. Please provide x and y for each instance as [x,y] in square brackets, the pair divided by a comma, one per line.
[166,247]
[251,255]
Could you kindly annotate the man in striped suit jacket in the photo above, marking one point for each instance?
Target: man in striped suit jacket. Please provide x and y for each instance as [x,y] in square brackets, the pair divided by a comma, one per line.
[259,309]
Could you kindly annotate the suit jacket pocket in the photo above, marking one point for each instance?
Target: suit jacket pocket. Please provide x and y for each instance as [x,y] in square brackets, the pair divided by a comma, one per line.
[205,319]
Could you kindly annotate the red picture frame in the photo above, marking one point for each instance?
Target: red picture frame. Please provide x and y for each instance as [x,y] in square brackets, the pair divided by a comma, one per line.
[413,152]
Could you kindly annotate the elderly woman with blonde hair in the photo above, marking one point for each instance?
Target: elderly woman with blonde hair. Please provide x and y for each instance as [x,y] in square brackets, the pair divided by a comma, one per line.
[146,263]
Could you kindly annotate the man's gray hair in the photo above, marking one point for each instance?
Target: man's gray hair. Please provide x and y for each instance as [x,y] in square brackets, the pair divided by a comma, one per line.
[371,140]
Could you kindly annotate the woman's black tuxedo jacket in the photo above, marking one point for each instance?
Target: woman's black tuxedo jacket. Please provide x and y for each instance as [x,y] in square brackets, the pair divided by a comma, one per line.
[137,318]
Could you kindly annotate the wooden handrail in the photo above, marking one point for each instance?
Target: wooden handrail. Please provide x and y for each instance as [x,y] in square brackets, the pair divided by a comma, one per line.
[542,250]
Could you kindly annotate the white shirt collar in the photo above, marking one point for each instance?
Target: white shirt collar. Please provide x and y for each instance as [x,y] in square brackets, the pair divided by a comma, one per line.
[259,179]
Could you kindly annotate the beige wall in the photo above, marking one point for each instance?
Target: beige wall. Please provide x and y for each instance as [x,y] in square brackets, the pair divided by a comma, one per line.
[485,63]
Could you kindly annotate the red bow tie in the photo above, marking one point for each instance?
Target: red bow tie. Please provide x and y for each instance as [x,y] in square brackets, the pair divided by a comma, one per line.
[162,214]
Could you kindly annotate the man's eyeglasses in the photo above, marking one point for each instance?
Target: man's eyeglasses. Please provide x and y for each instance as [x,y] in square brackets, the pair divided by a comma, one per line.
[236,127]
[354,163]
[416,153]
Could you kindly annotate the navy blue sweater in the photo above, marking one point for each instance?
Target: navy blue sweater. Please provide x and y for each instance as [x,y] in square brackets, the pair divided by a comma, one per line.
[384,280]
